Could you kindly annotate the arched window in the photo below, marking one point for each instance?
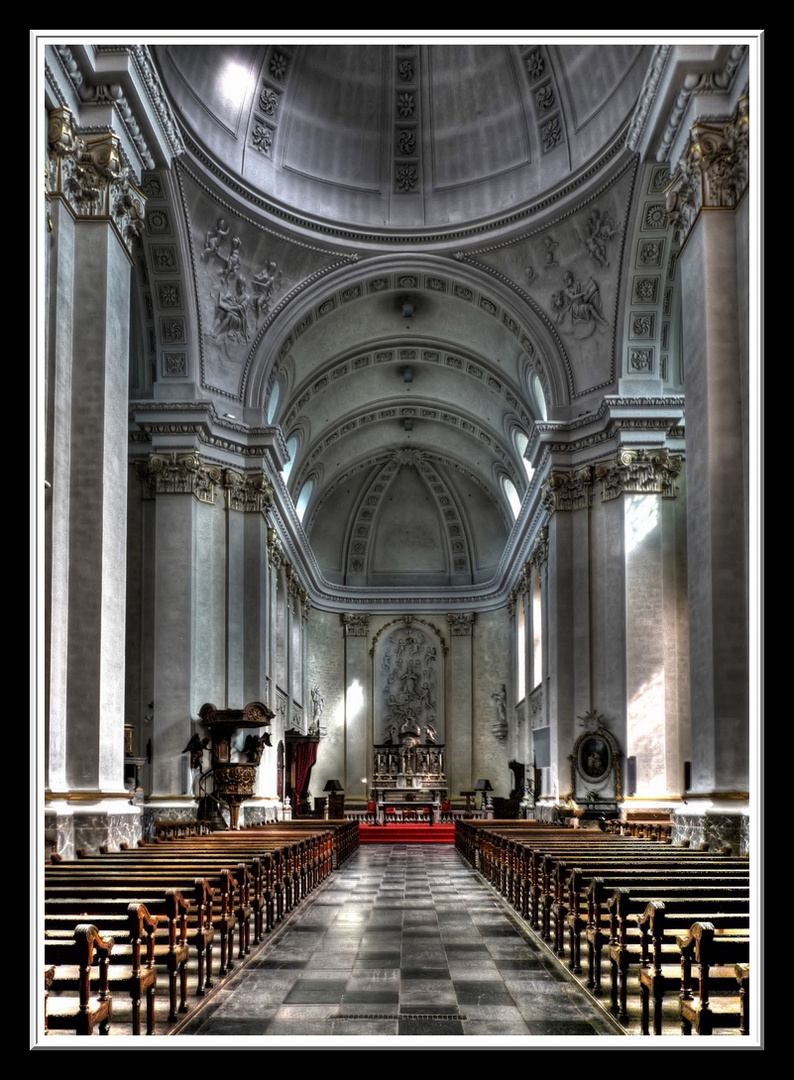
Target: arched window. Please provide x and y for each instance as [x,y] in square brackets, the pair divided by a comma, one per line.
[272,405]
[521,441]
[292,450]
[538,396]
[512,495]
[303,498]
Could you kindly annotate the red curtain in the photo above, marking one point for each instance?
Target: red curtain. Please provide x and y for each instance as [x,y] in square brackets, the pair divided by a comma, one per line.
[305,757]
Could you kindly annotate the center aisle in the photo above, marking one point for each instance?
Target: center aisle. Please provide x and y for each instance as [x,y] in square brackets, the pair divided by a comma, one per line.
[403,940]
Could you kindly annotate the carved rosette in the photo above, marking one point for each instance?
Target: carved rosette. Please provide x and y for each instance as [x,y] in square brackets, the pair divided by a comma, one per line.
[179,474]
[461,623]
[714,171]
[87,172]
[355,625]
[639,472]
[568,490]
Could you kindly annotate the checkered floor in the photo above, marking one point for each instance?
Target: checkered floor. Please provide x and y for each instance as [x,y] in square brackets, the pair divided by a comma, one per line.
[404,940]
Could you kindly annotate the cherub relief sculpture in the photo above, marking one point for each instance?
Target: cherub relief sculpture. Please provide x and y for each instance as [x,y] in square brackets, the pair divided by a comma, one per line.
[264,285]
[214,239]
[577,307]
[231,314]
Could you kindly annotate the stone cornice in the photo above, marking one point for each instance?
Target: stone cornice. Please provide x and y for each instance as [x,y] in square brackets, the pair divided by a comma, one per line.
[121,78]
[165,423]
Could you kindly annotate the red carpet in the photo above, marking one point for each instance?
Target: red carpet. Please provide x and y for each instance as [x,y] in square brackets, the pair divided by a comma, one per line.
[406,834]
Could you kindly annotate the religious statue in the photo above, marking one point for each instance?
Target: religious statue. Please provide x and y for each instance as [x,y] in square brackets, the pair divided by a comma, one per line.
[196,748]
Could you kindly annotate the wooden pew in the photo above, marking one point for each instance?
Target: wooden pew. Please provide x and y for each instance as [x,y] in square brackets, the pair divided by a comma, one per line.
[79,1011]
[706,1011]
[656,976]
[128,969]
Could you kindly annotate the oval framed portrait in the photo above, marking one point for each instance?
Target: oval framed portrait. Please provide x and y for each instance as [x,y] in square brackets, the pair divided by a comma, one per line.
[594,758]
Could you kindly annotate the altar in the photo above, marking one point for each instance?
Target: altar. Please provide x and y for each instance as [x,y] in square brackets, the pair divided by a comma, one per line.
[409,781]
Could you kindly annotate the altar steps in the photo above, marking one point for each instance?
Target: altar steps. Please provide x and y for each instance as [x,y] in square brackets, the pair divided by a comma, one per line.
[406,833]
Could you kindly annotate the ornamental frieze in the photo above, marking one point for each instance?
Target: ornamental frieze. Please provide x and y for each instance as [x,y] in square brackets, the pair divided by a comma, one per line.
[87,172]
[639,472]
[179,474]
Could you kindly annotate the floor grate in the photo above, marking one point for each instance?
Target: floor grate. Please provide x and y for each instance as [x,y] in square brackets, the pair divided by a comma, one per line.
[399,1016]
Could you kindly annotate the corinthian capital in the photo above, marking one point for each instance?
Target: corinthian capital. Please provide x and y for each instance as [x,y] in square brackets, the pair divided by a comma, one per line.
[639,472]
[355,625]
[460,623]
[568,490]
[714,170]
[179,474]
[87,172]
[249,494]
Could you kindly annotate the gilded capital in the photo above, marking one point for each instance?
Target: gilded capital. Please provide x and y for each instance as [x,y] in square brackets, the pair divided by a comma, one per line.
[179,474]
[714,171]
[88,173]
[639,472]
[460,623]
[250,494]
[540,550]
[568,490]
[355,625]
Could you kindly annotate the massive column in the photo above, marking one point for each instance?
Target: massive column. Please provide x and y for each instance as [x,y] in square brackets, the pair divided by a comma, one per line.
[95,213]
[709,209]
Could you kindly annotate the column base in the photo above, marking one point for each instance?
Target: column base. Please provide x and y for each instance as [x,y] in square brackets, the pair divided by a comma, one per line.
[90,825]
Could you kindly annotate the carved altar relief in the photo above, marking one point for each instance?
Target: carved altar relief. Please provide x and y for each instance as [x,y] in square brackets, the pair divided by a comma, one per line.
[408,680]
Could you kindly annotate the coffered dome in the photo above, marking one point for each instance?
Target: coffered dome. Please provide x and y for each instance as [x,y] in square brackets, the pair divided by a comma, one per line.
[403,137]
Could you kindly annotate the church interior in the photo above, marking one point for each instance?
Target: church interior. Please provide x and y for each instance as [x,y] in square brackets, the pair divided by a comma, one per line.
[397,421]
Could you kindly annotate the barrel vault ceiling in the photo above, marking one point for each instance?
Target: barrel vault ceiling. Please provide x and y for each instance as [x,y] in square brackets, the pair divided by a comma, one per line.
[367,249]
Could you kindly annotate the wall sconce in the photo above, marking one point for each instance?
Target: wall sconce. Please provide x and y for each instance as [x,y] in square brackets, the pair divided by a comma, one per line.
[407,307]
[408,375]
[408,425]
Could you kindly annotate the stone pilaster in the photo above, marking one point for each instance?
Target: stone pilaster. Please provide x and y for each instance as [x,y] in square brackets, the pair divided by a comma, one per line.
[358,701]
[94,213]
[705,200]
[459,687]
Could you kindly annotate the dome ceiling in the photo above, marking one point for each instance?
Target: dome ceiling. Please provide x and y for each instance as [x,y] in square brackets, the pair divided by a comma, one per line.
[324,189]
[403,137]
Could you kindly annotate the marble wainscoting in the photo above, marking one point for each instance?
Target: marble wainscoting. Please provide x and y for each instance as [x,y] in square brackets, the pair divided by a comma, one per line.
[716,830]
[68,830]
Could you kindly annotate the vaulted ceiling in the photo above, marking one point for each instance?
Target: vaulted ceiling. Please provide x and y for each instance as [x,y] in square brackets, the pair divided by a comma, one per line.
[375,241]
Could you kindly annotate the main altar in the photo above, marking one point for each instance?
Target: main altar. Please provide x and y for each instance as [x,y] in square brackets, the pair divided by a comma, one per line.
[409,781]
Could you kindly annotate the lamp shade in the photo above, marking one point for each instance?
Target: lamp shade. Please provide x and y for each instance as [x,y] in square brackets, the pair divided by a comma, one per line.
[483,785]
[333,786]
